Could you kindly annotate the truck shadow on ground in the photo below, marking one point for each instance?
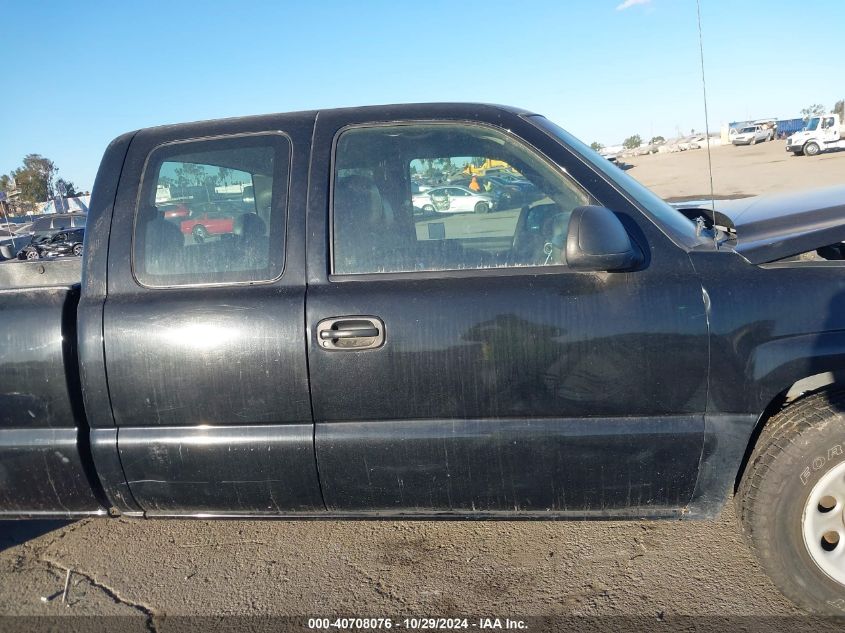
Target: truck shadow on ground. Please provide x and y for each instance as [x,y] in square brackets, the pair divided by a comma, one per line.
[14,533]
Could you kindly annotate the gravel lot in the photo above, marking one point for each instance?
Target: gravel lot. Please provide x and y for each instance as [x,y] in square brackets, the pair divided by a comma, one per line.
[423,568]
[159,569]
[746,170]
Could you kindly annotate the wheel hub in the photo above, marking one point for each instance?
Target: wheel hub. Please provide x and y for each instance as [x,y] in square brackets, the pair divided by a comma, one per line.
[823,523]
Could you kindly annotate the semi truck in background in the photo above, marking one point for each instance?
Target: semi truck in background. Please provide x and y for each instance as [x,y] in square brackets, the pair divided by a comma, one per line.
[821,134]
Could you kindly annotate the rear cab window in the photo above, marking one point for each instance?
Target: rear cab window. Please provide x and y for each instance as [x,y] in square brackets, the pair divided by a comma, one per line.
[212,211]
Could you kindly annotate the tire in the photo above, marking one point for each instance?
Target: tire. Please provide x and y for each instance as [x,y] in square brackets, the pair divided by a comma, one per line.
[796,471]
[77,250]
[812,149]
[200,233]
[428,208]
[754,140]
[482,207]
[32,254]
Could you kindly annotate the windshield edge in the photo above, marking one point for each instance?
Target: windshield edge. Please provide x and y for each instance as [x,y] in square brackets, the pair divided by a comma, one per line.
[671,222]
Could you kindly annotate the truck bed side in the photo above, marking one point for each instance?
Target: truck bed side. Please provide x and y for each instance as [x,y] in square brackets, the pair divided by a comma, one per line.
[43,436]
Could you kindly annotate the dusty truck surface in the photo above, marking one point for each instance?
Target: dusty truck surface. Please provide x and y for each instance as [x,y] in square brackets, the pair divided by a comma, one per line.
[264,324]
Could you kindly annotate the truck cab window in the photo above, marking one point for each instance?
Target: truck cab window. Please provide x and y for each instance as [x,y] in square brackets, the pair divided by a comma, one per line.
[212,212]
[431,197]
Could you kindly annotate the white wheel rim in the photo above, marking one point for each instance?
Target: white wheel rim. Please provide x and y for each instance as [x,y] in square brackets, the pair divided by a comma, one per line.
[824,529]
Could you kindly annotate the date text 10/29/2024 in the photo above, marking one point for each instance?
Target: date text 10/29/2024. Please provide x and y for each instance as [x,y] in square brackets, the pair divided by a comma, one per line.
[482,623]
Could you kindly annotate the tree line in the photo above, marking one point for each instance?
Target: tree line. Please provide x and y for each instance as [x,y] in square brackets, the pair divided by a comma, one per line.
[36,180]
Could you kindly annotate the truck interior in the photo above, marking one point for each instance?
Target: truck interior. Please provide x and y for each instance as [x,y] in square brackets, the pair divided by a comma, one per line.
[378,228]
[231,214]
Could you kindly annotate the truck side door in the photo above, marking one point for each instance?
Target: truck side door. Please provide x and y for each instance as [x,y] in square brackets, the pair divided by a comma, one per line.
[203,329]
[457,365]
[830,129]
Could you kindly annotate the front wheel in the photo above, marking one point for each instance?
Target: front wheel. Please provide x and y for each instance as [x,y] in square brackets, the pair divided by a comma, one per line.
[792,502]
[200,233]
[811,149]
[77,250]
[32,254]
[482,207]
[754,141]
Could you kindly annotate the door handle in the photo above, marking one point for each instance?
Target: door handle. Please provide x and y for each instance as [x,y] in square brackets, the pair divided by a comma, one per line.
[356,332]
[350,333]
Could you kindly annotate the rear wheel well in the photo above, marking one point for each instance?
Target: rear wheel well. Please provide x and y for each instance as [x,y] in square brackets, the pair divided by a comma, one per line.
[825,381]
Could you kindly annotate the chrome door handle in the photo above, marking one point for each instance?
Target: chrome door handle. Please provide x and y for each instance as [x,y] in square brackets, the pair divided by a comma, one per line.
[350,333]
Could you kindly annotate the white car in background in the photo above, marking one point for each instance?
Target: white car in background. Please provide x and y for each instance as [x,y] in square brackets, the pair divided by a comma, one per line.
[452,199]
[752,134]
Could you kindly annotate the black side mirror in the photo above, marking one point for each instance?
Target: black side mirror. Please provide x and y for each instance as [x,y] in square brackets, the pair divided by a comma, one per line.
[596,240]
[6,252]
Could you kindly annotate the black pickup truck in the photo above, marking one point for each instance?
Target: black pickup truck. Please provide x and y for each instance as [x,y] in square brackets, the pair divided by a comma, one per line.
[264,324]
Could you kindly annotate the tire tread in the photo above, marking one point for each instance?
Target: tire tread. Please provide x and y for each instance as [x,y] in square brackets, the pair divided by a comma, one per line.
[781,431]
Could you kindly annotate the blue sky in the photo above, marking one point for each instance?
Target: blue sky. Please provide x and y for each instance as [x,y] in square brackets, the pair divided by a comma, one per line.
[78,74]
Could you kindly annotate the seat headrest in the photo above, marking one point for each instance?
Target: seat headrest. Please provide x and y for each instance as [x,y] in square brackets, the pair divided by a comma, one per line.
[249,226]
[361,195]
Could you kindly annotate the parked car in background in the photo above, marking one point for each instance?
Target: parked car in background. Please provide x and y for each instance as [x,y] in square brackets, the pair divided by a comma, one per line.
[33,249]
[61,244]
[752,134]
[211,218]
[52,224]
[509,178]
[453,199]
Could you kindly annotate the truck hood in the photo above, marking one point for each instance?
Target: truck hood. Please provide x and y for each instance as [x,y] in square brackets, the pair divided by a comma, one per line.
[772,227]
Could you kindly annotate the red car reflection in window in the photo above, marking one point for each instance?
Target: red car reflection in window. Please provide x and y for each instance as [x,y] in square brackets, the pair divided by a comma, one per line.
[208,220]
[174,211]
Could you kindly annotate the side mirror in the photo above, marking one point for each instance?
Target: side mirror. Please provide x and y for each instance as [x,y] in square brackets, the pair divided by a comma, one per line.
[6,252]
[596,240]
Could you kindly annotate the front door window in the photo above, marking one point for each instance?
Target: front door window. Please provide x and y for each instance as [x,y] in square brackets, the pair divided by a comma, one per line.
[437,197]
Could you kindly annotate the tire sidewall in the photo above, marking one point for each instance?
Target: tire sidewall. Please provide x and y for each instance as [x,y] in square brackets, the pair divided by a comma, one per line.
[199,232]
[787,485]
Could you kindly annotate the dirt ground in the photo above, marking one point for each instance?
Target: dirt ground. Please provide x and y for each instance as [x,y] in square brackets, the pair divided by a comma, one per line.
[317,568]
[159,569]
[745,170]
